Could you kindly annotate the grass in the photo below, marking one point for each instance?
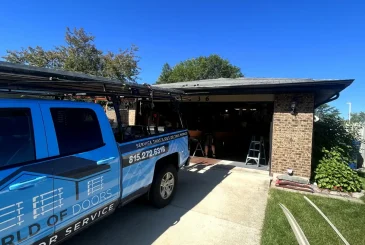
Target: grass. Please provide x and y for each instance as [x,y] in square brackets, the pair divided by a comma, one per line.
[363,187]
[347,216]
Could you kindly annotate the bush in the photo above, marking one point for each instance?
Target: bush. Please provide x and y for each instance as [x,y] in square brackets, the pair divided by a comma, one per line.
[334,173]
[332,131]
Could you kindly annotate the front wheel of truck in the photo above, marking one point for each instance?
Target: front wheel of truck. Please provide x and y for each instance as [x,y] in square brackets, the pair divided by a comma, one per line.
[163,186]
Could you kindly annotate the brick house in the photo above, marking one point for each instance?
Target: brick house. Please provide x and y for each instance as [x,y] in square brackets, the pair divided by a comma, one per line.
[288,107]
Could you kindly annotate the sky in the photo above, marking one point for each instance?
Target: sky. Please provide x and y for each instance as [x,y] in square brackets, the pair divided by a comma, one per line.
[265,38]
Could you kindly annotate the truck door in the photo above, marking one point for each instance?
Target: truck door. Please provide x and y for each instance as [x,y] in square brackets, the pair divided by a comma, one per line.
[27,197]
[86,165]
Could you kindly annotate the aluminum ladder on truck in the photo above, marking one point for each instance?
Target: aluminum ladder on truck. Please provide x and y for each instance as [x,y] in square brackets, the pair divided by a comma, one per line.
[256,151]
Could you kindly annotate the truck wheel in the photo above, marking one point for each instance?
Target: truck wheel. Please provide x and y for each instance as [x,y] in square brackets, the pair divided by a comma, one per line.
[163,186]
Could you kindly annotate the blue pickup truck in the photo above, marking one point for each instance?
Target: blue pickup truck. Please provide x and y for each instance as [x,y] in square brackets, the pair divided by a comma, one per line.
[61,167]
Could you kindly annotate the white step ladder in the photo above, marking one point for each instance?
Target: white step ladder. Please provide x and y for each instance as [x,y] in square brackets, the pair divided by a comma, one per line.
[256,151]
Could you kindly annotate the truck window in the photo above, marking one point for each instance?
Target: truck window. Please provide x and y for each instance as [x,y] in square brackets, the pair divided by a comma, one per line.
[77,130]
[16,136]
[163,118]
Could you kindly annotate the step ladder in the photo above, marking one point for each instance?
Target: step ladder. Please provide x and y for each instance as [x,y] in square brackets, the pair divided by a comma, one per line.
[256,151]
[198,147]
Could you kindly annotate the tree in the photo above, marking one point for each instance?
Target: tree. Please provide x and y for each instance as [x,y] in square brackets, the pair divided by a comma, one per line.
[80,54]
[203,67]
[327,110]
[332,131]
[165,74]
[358,118]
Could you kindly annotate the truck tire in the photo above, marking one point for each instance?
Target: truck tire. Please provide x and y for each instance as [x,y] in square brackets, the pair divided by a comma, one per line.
[163,186]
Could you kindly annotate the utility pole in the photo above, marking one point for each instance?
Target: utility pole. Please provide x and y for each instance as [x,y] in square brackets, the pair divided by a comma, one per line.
[349,103]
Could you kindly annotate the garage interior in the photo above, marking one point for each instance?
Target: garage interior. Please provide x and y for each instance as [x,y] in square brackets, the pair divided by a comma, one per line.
[233,124]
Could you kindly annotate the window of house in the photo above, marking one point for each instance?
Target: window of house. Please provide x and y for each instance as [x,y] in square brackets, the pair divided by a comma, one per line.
[77,130]
[16,136]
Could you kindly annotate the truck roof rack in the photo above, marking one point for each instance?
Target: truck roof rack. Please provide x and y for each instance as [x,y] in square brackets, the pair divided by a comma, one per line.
[24,79]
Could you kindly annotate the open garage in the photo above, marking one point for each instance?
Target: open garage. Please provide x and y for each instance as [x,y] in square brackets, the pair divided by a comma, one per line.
[245,116]
[240,126]
[276,114]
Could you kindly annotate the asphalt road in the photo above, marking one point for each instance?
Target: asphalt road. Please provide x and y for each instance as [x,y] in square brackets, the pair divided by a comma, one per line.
[213,205]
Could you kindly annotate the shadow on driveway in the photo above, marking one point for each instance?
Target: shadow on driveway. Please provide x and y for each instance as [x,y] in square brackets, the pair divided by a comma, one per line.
[140,223]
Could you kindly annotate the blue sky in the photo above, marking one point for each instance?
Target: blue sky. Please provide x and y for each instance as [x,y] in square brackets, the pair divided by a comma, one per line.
[266,38]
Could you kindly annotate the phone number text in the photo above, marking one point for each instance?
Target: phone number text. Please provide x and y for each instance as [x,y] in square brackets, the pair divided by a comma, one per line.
[144,155]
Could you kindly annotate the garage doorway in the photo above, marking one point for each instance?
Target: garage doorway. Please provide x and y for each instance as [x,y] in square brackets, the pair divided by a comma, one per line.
[234,125]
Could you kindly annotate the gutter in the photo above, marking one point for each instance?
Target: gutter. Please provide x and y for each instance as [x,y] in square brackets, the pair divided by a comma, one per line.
[298,232]
[334,97]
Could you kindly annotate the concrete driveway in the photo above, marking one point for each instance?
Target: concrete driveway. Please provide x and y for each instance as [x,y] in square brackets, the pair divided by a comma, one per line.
[213,205]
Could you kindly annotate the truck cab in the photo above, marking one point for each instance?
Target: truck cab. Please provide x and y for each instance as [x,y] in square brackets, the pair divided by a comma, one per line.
[63,168]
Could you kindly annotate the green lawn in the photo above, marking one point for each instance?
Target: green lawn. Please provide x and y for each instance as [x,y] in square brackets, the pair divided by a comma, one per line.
[348,217]
[363,187]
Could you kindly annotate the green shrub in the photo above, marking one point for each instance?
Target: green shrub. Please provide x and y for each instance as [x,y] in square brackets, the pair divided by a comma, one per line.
[333,131]
[334,173]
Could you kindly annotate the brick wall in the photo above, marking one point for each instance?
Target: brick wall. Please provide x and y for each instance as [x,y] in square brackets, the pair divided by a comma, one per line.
[292,134]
